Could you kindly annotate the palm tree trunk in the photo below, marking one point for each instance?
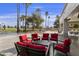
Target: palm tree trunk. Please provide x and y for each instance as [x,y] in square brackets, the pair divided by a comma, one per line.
[18,14]
[45,22]
[26,16]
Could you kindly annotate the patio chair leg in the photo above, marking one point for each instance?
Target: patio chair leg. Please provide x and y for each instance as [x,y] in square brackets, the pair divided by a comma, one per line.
[17,54]
[53,50]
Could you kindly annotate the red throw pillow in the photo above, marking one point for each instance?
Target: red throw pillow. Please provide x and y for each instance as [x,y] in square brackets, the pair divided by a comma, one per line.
[23,38]
[46,35]
[35,35]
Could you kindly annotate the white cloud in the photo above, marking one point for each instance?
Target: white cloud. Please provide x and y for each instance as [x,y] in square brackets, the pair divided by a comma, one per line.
[8,19]
[3,17]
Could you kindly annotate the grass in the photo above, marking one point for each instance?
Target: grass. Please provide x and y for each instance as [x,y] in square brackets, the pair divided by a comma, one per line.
[21,30]
[14,30]
[8,30]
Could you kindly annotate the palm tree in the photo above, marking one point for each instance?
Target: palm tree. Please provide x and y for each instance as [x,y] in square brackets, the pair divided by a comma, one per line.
[56,23]
[38,12]
[23,20]
[26,8]
[37,20]
[18,14]
[48,20]
[46,14]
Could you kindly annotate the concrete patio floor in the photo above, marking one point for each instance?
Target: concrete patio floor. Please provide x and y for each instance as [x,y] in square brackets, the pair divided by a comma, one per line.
[7,47]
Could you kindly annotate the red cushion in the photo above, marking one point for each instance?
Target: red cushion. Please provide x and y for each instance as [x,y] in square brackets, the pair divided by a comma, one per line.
[67,42]
[36,39]
[35,35]
[28,41]
[60,47]
[23,38]
[45,35]
[54,36]
[22,44]
[45,38]
[38,47]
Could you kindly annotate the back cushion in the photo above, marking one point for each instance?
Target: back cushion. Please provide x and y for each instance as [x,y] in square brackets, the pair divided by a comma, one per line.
[54,36]
[67,42]
[34,35]
[23,38]
[46,35]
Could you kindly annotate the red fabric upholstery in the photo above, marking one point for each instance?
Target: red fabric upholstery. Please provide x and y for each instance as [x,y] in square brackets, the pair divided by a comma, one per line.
[67,42]
[23,38]
[23,52]
[54,37]
[45,36]
[38,47]
[22,44]
[35,37]
[60,47]
[65,47]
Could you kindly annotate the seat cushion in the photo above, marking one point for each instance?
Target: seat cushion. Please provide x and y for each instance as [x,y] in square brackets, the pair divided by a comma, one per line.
[38,47]
[45,38]
[60,47]
[36,39]
[27,41]
[22,44]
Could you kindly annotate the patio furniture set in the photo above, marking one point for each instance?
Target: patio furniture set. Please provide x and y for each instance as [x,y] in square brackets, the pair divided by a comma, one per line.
[36,46]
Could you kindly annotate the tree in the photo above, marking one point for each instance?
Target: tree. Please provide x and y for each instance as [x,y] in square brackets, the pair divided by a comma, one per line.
[36,21]
[22,18]
[46,14]
[48,20]
[18,16]
[26,8]
[56,23]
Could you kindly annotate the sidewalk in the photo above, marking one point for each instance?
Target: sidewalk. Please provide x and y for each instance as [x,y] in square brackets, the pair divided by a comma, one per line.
[7,46]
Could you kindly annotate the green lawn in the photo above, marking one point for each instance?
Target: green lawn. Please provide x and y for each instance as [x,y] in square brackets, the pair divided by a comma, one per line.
[8,30]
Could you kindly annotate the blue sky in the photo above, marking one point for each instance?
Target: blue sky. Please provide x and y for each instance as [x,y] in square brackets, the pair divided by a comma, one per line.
[8,11]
